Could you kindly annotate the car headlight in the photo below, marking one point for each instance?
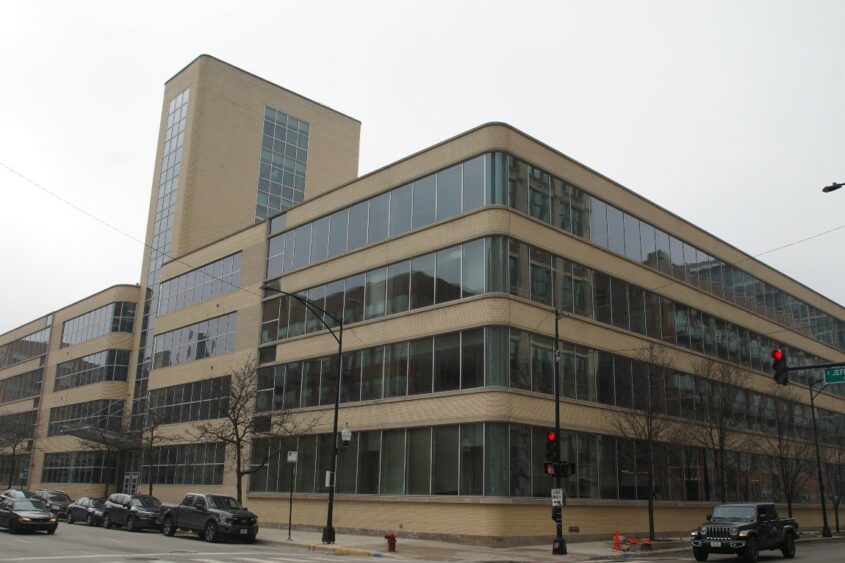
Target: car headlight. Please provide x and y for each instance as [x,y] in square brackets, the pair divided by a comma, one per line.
[52,518]
[25,519]
[55,507]
[703,530]
[98,512]
[734,531]
[743,534]
[225,520]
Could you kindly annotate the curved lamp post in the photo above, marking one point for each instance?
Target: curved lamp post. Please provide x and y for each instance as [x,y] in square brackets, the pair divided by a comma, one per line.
[833,187]
[337,334]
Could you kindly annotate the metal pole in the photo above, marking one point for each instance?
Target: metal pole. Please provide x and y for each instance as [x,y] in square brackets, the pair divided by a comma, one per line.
[328,531]
[826,528]
[559,545]
[290,501]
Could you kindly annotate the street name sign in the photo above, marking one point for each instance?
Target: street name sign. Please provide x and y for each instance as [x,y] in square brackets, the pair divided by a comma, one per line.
[834,375]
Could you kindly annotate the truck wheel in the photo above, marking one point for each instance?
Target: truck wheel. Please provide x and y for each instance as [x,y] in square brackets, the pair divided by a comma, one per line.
[700,553]
[69,517]
[209,533]
[168,528]
[788,547]
[130,524]
[107,522]
[751,551]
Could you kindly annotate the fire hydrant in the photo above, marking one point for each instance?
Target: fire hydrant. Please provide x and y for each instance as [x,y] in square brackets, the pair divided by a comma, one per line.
[391,541]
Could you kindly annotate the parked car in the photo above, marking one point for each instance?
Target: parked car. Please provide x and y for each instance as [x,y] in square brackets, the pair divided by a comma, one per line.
[211,516]
[134,512]
[56,501]
[88,510]
[18,493]
[745,529]
[27,514]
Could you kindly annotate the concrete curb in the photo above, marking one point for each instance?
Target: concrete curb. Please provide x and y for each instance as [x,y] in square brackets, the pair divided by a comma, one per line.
[344,550]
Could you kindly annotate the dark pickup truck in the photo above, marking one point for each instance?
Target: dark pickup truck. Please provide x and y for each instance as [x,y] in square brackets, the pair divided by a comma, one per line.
[210,516]
[745,529]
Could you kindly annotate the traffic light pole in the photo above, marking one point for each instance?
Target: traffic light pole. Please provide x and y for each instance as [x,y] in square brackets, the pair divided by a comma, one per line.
[813,394]
[559,544]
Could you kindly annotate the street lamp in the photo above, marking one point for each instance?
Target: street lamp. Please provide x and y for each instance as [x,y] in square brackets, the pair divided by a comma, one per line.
[825,528]
[833,187]
[328,530]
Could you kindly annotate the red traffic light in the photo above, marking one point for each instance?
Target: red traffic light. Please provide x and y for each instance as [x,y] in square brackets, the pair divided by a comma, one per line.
[551,436]
[777,355]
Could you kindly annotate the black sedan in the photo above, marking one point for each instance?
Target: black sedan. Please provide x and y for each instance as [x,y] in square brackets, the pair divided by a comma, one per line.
[88,510]
[27,514]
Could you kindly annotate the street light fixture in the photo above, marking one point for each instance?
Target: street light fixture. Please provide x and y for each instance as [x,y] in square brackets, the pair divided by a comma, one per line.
[833,187]
[337,334]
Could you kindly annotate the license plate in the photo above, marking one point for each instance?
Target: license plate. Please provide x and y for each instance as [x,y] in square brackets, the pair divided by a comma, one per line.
[715,544]
[243,532]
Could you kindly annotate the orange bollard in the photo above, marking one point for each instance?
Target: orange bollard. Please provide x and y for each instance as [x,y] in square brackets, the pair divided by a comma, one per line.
[616,545]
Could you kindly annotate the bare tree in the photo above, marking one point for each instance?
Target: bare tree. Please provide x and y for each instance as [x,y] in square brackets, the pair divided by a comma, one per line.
[113,444]
[151,435]
[720,415]
[790,454]
[241,424]
[646,421]
[16,434]
[834,478]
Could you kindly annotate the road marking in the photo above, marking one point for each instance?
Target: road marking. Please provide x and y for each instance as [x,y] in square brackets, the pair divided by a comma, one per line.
[114,540]
[147,555]
[22,541]
[208,560]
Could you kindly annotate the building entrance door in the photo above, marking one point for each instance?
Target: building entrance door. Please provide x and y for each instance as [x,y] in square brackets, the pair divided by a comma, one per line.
[130,483]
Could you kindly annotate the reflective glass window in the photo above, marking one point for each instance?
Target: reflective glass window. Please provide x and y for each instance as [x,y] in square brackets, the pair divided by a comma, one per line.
[648,249]
[444,464]
[358,215]
[353,310]
[302,246]
[420,366]
[372,373]
[418,477]
[632,238]
[376,293]
[449,192]
[398,287]
[378,221]
[615,230]
[598,222]
[447,362]
[422,281]
[472,459]
[539,199]
[518,269]
[424,198]
[473,183]
[472,265]
[472,358]
[448,286]
[320,239]
[517,184]
[561,205]
[337,234]
[396,372]
[400,210]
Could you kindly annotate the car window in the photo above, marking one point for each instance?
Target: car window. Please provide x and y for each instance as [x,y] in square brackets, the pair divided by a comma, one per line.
[223,502]
[146,502]
[95,502]
[59,497]
[82,502]
[188,500]
[29,504]
[199,502]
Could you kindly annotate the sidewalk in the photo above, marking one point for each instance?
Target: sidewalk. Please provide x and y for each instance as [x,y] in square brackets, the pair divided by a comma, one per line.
[430,550]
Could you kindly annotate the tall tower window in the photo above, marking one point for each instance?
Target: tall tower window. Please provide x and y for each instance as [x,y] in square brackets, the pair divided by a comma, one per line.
[281,175]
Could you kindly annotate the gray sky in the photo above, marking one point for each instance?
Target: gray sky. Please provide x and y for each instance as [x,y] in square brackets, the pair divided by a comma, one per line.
[730,114]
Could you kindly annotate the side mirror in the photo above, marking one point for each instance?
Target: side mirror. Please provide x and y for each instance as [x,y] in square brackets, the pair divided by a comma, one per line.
[709,515]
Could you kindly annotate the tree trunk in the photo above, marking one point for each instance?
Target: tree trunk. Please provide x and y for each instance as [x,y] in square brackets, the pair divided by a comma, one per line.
[238,473]
[151,487]
[836,515]
[651,502]
[789,506]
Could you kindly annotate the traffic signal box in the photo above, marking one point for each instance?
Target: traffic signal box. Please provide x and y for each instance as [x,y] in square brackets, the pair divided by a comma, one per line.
[779,368]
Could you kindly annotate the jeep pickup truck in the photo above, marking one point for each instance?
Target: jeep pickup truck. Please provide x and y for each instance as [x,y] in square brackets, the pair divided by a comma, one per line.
[210,516]
[745,529]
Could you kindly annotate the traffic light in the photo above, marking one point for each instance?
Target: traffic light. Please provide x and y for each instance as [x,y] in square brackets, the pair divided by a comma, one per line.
[779,367]
[552,452]
[552,446]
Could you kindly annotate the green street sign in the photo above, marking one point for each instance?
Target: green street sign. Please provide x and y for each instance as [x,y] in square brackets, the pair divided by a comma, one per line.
[834,375]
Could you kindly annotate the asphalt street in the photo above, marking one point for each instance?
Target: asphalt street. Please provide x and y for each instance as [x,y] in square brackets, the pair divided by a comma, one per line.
[80,544]
[821,551]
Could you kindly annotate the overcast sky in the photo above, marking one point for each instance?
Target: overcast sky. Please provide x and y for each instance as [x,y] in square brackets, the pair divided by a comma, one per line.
[730,114]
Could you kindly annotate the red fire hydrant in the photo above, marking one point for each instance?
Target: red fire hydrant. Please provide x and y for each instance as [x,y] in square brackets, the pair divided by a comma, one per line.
[391,541]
